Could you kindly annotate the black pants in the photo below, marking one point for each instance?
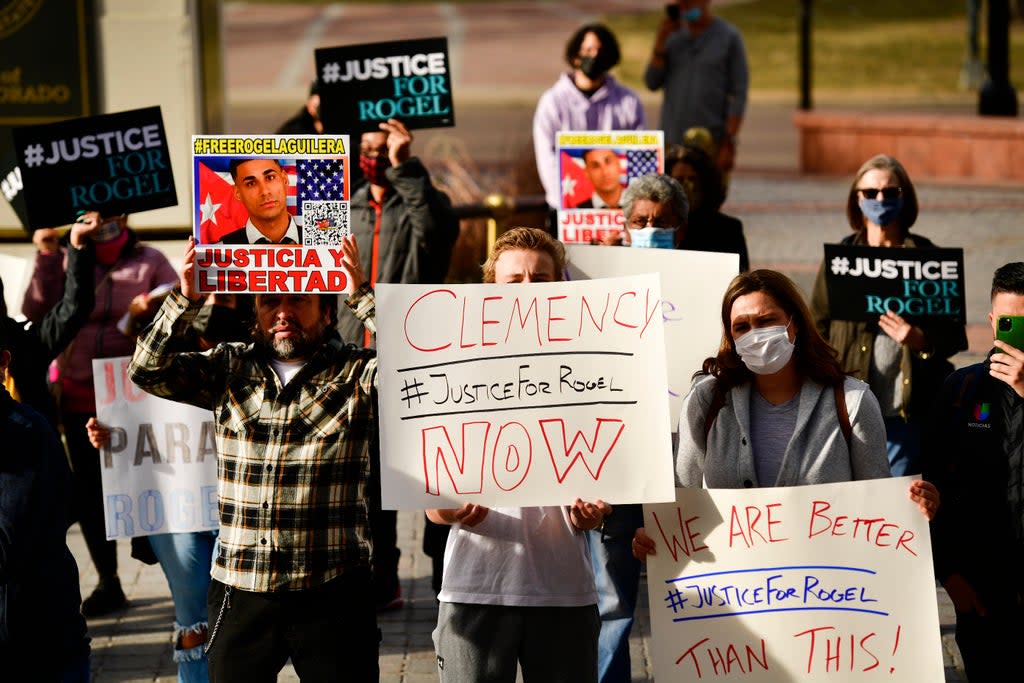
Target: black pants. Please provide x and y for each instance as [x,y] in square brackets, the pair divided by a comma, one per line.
[88,495]
[329,632]
[987,642]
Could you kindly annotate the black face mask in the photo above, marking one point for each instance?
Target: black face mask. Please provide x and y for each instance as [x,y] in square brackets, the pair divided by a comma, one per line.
[594,66]
[216,324]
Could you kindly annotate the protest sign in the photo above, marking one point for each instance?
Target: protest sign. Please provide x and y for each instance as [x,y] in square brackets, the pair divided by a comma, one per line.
[257,198]
[11,183]
[864,282]
[113,163]
[363,85]
[692,285]
[526,394]
[595,168]
[805,583]
[159,469]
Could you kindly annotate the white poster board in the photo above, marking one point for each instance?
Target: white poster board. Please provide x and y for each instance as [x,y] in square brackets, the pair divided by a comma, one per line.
[525,394]
[159,469]
[692,285]
[16,273]
[809,583]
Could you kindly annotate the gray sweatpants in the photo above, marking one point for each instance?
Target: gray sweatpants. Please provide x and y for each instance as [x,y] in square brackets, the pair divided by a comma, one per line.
[483,643]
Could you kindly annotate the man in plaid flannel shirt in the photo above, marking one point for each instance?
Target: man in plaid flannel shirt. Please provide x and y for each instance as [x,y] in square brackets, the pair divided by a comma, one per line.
[296,414]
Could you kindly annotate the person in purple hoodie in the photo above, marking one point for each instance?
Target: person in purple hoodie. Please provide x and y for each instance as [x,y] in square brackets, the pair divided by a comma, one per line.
[126,271]
[585,98]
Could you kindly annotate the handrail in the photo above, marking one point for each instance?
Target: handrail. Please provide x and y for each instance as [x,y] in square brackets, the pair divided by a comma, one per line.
[497,208]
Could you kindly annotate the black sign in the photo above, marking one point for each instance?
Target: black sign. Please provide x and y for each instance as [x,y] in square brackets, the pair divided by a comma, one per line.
[114,163]
[362,85]
[865,282]
[36,90]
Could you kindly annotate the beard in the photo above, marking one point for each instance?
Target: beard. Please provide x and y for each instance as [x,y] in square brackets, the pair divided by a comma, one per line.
[301,345]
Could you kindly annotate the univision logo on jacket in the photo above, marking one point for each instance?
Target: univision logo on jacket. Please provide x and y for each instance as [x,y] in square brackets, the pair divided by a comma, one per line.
[981,414]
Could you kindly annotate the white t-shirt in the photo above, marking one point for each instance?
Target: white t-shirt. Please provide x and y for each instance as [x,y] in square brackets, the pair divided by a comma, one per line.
[286,369]
[519,557]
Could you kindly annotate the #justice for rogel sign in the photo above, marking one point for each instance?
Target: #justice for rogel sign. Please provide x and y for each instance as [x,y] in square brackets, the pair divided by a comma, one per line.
[363,85]
[114,163]
[865,282]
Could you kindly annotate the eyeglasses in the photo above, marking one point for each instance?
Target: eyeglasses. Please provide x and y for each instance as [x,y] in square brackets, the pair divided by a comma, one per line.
[641,222]
[887,192]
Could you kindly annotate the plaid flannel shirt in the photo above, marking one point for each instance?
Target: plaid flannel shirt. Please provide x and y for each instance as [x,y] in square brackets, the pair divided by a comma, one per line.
[293,461]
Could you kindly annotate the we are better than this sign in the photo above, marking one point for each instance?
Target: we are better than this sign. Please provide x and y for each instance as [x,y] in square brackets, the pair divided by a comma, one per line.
[525,394]
[831,582]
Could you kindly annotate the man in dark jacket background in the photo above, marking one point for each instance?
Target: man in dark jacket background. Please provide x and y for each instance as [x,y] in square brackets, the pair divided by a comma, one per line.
[32,346]
[42,631]
[405,229]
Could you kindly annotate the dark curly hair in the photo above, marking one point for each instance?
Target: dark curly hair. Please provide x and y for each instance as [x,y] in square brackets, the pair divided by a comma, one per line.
[609,44]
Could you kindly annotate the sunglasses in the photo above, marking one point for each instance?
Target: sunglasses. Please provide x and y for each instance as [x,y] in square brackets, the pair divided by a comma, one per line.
[887,192]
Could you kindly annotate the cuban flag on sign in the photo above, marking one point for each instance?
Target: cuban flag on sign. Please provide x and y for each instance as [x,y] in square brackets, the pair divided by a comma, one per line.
[576,186]
[218,212]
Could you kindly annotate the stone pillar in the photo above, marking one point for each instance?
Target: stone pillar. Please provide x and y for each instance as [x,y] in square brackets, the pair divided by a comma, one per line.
[151,53]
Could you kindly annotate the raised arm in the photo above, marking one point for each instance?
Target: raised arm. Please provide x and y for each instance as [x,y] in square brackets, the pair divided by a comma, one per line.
[64,321]
[188,377]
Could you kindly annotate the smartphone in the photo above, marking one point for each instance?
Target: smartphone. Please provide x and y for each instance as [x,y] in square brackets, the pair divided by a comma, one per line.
[672,10]
[1010,329]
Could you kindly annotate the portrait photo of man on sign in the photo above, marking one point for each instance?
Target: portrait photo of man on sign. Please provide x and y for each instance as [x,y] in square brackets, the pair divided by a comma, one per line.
[271,190]
[262,187]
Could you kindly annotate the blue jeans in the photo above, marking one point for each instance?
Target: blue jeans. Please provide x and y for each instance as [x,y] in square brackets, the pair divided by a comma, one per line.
[903,443]
[617,575]
[186,560]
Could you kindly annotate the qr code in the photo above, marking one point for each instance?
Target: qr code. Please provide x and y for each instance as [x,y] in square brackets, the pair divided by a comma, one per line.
[324,223]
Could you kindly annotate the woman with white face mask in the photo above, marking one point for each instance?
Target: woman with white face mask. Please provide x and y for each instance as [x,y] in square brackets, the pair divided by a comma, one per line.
[745,423]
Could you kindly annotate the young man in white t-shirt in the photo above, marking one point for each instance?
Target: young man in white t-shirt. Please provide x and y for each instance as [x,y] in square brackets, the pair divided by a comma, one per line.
[518,586]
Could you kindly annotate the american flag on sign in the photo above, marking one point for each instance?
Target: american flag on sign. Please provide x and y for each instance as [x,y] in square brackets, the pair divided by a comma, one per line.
[640,162]
[322,180]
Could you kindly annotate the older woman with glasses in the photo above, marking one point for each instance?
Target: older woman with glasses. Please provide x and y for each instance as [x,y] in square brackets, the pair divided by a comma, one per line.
[904,362]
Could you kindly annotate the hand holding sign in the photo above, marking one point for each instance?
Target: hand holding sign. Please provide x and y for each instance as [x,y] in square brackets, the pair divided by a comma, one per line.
[188,271]
[47,240]
[586,516]
[902,331]
[399,141]
[350,261]
[84,228]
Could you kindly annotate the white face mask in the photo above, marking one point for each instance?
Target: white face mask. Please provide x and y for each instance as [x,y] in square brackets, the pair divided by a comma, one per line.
[765,350]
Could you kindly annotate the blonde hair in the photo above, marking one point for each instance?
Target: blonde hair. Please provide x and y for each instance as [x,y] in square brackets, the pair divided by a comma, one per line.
[531,239]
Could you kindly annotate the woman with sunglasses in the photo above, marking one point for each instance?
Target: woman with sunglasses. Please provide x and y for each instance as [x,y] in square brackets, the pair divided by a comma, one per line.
[903,361]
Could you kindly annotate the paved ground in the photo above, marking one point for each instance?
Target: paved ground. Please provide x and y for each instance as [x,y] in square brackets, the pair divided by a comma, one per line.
[786,218]
[134,645]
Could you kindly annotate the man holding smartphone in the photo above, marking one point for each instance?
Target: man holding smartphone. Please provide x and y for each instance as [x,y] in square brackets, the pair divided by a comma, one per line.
[701,62]
[974,453]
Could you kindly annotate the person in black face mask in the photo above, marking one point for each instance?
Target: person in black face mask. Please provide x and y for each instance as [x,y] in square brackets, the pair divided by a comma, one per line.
[223,318]
[405,229]
[586,98]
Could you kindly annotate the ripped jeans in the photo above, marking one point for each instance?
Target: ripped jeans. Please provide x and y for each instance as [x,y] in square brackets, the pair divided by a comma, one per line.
[185,559]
